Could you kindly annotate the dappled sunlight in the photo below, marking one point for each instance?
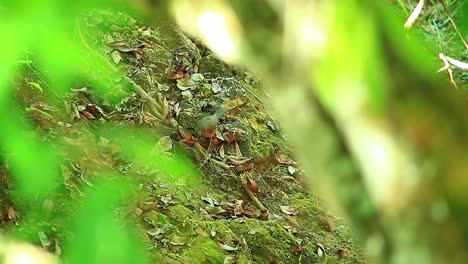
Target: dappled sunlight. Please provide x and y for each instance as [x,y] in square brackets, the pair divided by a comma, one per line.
[306,28]
[383,162]
[24,253]
[214,22]
[313,35]
[213,28]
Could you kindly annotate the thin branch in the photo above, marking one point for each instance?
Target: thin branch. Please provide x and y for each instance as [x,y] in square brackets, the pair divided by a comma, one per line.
[157,107]
[246,188]
[453,23]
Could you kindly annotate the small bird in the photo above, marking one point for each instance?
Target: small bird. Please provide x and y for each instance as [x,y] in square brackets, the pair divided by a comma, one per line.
[206,127]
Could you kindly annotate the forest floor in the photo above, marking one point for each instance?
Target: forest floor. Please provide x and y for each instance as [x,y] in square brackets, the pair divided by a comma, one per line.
[235,197]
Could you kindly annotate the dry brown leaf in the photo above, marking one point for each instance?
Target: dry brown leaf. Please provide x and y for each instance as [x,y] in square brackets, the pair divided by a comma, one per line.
[188,141]
[299,247]
[234,134]
[44,123]
[174,76]
[221,151]
[11,214]
[226,246]
[253,186]
[87,114]
[239,209]
[238,161]
[289,210]
[320,250]
[282,159]
[238,151]
[184,133]
[177,240]
[341,253]
[244,167]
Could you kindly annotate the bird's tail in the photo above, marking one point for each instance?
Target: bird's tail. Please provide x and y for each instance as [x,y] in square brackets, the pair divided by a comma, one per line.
[221,111]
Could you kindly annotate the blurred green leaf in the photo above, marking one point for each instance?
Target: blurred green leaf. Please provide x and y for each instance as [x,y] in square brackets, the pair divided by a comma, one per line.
[100,235]
[29,109]
[353,62]
[34,165]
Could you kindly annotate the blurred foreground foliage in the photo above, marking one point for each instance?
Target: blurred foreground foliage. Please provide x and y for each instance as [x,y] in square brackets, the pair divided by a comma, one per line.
[41,37]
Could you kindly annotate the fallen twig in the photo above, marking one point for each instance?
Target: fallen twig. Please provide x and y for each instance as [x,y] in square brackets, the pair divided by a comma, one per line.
[246,188]
[450,61]
[226,167]
[157,107]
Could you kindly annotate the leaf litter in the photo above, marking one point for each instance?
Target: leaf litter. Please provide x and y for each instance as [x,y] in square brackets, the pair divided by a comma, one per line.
[244,177]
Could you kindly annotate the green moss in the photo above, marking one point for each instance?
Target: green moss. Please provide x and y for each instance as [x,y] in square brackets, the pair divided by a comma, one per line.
[215,66]
[180,212]
[204,251]
[155,218]
[262,145]
[266,240]
[222,229]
